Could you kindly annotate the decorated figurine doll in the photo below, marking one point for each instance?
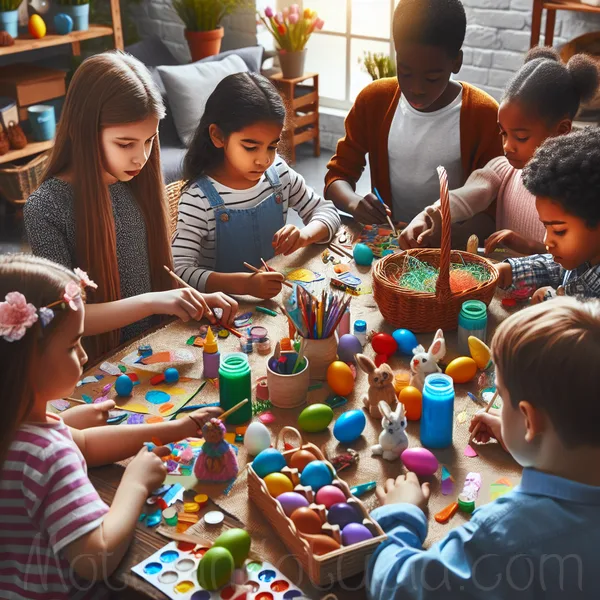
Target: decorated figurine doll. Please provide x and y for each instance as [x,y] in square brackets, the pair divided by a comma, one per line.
[217,460]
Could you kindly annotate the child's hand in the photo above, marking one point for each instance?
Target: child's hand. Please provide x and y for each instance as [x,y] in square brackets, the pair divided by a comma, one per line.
[490,427]
[198,418]
[369,210]
[224,302]
[421,228]
[88,415]
[146,470]
[265,284]
[505,275]
[288,239]
[185,303]
[406,488]
[543,294]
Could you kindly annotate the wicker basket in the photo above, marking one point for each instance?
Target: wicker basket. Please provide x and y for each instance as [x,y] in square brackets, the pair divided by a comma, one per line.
[173,196]
[328,568]
[19,181]
[424,311]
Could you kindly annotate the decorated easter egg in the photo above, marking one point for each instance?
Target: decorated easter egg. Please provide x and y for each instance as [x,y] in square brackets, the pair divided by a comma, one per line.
[363,255]
[480,352]
[316,475]
[257,438]
[329,495]
[339,378]
[171,375]
[237,541]
[37,27]
[321,544]
[420,461]
[348,347]
[300,459]
[63,24]
[215,568]
[315,418]
[268,461]
[384,343]
[354,533]
[123,385]
[306,520]
[343,513]
[290,501]
[412,399]
[462,369]
[278,483]
[349,426]
[406,341]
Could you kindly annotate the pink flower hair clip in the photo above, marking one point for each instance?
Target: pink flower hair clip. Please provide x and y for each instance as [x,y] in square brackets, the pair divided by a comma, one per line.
[73,290]
[16,316]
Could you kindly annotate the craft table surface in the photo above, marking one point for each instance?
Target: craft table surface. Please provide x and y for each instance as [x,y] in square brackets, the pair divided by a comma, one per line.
[492,463]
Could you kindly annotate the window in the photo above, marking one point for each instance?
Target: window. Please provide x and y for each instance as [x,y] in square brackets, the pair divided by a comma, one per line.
[352,27]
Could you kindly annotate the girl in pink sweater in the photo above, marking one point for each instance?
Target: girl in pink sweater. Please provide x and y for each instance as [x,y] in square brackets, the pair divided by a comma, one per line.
[540,102]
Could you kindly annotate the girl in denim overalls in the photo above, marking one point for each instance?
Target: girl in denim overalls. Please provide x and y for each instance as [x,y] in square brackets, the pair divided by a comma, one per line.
[238,191]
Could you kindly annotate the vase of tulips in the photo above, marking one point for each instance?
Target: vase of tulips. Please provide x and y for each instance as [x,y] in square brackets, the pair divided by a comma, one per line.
[291,29]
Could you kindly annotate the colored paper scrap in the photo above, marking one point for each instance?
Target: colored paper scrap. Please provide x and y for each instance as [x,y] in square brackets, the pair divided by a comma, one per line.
[157,397]
[447,487]
[110,369]
[135,419]
[182,355]
[60,404]
[166,407]
[499,488]
[461,417]
[470,452]
[87,399]
[446,474]
[174,494]
[88,379]
[134,408]
[190,341]
[266,417]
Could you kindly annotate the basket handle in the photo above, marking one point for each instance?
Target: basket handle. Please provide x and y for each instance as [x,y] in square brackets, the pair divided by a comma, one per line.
[281,435]
[442,287]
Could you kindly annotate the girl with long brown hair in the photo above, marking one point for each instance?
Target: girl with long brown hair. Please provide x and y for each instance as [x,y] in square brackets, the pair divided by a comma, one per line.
[102,204]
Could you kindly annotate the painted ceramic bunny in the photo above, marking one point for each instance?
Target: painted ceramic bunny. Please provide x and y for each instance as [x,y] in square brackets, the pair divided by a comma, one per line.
[423,363]
[217,460]
[381,385]
[392,439]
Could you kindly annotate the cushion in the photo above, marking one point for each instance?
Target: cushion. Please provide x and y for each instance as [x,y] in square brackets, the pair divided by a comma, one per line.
[152,52]
[252,56]
[189,86]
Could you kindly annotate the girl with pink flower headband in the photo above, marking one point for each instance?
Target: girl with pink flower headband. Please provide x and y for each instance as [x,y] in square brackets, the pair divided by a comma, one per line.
[44,485]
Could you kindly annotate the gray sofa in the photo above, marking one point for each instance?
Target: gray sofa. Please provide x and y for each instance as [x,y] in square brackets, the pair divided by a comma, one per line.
[153,53]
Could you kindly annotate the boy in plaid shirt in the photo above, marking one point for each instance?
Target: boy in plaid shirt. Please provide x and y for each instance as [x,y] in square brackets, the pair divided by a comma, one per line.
[564,175]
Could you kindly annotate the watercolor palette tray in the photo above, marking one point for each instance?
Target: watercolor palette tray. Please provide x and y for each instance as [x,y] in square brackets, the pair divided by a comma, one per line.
[172,570]
[379,239]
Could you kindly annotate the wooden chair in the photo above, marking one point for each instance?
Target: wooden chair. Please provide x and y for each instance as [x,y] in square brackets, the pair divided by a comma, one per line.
[173,195]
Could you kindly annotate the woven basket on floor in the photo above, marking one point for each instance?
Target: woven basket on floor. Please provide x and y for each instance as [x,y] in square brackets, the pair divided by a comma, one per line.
[425,311]
[19,181]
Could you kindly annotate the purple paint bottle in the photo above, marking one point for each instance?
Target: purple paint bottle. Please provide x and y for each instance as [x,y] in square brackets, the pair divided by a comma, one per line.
[211,356]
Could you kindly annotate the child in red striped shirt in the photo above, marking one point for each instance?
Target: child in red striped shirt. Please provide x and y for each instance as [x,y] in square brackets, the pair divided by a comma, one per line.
[57,537]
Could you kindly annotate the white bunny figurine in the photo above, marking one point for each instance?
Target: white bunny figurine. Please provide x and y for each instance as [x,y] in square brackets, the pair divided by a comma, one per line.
[425,363]
[392,439]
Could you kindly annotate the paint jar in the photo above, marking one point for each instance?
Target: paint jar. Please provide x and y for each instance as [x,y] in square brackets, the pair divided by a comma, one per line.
[438,411]
[43,122]
[472,320]
[246,344]
[235,385]
[401,380]
[263,346]
[288,391]
[360,331]
[321,354]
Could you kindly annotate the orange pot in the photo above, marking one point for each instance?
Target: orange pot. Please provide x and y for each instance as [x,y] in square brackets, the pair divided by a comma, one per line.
[204,43]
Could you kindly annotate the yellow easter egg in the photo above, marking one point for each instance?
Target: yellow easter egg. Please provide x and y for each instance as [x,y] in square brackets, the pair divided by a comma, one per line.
[462,369]
[339,378]
[278,483]
[480,352]
[37,27]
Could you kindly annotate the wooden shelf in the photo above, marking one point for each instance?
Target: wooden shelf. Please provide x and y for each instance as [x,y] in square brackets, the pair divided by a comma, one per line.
[25,44]
[31,148]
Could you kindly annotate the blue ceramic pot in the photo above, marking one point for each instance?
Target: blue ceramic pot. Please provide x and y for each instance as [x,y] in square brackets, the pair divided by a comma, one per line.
[9,22]
[42,121]
[80,13]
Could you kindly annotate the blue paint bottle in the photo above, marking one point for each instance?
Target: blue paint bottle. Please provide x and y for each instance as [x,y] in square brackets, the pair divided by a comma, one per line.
[437,419]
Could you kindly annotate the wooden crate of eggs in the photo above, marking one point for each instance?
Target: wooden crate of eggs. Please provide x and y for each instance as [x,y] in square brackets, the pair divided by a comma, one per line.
[318,519]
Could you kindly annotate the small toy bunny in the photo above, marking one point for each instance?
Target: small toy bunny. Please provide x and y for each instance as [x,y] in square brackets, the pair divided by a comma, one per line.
[217,460]
[424,363]
[392,439]
[381,385]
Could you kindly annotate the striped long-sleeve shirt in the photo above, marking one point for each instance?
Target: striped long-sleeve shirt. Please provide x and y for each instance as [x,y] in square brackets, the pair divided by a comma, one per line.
[46,503]
[194,247]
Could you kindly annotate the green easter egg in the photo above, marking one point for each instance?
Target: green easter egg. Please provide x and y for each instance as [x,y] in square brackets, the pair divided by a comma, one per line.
[315,418]
[215,569]
[237,541]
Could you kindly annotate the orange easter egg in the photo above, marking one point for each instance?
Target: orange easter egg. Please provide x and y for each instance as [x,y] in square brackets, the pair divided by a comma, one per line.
[339,378]
[321,544]
[412,399]
[37,27]
[300,459]
[306,520]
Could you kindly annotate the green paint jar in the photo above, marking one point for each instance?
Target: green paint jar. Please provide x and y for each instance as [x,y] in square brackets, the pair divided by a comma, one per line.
[235,385]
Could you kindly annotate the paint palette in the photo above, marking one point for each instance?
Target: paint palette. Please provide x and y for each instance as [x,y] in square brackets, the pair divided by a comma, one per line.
[378,239]
[173,569]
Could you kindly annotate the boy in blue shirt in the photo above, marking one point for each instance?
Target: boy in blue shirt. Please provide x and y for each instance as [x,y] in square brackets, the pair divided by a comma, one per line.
[542,539]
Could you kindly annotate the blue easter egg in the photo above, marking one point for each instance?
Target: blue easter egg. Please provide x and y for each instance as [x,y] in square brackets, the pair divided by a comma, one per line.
[406,341]
[268,461]
[349,426]
[363,255]
[63,24]
[348,347]
[171,375]
[316,475]
[123,385]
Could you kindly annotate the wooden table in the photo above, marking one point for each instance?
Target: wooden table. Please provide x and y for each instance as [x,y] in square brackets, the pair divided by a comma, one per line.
[493,463]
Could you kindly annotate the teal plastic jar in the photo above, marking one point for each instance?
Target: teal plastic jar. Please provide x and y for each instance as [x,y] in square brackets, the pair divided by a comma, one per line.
[472,321]
[437,418]
[235,385]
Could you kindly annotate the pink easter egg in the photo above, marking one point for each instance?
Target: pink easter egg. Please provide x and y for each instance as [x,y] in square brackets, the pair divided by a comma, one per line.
[330,495]
[420,461]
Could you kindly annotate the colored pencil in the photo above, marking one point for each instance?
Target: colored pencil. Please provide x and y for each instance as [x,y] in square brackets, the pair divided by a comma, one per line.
[375,191]
[255,270]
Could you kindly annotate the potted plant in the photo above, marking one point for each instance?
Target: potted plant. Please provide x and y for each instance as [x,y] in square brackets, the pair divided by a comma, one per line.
[291,30]
[202,20]
[378,65]
[9,16]
[78,10]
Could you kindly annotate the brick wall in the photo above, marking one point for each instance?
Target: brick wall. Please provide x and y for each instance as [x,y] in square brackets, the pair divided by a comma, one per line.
[498,34]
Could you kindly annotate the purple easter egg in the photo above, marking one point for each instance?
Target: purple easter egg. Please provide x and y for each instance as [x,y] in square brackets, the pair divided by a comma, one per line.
[343,513]
[290,501]
[348,347]
[354,533]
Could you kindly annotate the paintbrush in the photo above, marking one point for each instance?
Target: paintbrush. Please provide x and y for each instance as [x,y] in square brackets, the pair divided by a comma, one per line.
[229,412]
[485,410]
[340,249]
[384,206]
[76,400]
[255,270]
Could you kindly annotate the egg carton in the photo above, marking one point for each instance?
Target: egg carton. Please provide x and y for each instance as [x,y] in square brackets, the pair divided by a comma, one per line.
[173,569]
[336,564]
